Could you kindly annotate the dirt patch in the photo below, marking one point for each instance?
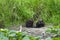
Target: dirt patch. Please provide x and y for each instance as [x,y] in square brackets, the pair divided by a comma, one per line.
[31,31]
[34,31]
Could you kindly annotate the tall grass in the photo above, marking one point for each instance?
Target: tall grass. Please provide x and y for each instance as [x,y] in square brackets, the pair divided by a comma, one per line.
[51,11]
[14,12]
[18,11]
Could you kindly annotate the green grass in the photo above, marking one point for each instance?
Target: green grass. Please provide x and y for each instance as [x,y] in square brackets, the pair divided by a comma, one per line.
[18,11]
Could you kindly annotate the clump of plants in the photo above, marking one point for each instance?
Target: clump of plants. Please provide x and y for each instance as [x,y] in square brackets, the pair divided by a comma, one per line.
[6,34]
[54,31]
[14,35]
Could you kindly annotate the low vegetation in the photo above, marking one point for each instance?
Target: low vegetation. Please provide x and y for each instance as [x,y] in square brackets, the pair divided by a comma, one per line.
[6,34]
[14,35]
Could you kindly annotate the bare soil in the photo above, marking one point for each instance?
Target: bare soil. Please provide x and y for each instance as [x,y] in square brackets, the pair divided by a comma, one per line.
[31,31]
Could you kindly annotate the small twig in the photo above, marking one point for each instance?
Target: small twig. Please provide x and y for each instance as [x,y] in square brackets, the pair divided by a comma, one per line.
[20,29]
